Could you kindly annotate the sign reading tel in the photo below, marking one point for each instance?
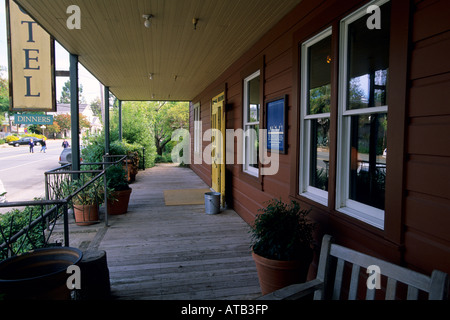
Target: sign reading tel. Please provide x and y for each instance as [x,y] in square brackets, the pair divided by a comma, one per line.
[31,63]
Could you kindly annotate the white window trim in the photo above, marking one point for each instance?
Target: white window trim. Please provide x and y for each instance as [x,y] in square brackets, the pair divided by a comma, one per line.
[344,204]
[246,168]
[305,189]
[197,129]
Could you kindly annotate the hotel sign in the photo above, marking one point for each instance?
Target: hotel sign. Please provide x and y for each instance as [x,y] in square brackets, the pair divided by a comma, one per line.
[33,119]
[31,63]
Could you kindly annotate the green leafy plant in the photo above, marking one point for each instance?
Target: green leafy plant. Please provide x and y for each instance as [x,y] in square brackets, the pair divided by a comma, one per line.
[14,221]
[117,180]
[92,194]
[282,231]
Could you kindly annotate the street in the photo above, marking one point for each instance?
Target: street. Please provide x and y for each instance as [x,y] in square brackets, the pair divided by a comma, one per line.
[22,172]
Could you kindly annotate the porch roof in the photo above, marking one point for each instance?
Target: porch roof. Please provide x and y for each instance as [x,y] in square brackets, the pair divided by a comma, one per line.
[116,47]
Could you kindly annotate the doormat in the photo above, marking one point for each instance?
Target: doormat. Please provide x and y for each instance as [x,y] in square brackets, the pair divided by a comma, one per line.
[182,197]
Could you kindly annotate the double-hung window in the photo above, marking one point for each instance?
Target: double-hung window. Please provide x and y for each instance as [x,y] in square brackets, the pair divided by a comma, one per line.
[315,115]
[362,120]
[252,113]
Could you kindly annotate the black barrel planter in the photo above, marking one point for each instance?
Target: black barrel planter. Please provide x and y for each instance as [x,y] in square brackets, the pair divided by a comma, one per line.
[38,275]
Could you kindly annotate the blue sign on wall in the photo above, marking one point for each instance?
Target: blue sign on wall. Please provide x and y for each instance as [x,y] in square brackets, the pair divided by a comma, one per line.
[276,125]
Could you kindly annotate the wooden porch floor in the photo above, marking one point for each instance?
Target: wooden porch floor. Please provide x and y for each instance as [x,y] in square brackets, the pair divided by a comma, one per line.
[159,252]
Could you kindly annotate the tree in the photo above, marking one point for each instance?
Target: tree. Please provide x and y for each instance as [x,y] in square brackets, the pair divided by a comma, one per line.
[54,128]
[65,93]
[96,107]
[64,122]
[136,127]
[167,117]
[4,94]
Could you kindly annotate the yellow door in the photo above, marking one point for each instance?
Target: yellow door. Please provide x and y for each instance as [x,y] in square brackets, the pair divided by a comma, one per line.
[218,146]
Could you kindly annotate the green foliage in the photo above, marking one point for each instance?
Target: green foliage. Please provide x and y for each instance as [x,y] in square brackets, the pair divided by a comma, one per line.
[320,99]
[145,126]
[92,194]
[4,93]
[65,93]
[94,149]
[168,117]
[14,221]
[165,158]
[116,176]
[137,132]
[282,232]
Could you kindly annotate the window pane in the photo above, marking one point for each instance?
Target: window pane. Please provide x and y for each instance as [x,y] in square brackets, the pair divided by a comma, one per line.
[368,159]
[253,107]
[252,146]
[368,62]
[319,153]
[319,77]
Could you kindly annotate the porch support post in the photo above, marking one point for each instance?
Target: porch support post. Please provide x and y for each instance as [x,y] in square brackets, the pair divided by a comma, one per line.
[106,122]
[74,114]
[120,121]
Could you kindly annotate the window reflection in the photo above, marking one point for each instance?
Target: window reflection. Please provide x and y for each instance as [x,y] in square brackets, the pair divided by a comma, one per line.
[320,153]
[368,62]
[368,159]
[318,112]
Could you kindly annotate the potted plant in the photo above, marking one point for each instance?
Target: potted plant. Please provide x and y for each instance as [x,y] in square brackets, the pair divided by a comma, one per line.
[282,245]
[86,202]
[133,165]
[121,191]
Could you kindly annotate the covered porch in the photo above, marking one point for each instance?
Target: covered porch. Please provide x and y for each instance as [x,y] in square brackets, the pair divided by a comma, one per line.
[159,252]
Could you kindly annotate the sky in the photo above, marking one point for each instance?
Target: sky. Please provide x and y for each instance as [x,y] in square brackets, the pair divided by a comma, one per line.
[91,87]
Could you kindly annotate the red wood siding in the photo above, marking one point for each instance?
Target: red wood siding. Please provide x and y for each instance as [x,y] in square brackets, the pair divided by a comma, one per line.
[417,225]
[427,202]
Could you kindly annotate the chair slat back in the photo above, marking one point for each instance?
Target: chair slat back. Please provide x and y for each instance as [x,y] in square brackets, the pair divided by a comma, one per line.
[435,285]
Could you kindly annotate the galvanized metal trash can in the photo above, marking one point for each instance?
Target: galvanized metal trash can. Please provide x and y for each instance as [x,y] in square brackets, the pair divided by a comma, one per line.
[212,202]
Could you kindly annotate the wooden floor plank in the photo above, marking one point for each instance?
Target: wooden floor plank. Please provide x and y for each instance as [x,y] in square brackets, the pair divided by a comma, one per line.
[159,252]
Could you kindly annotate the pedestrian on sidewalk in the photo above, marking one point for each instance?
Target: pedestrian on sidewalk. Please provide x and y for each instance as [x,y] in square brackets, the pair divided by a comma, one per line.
[43,146]
[31,143]
[65,144]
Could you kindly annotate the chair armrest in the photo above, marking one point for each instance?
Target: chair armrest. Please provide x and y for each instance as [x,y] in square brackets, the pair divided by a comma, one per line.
[294,291]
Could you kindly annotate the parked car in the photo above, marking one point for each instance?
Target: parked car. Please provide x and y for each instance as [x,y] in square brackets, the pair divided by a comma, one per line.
[25,141]
[66,157]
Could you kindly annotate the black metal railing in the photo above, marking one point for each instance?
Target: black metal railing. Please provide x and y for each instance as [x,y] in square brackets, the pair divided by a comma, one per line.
[18,227]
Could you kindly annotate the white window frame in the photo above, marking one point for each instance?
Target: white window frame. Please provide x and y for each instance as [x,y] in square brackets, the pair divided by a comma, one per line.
[305,189]
[197,129]
[344,204]
[246,167]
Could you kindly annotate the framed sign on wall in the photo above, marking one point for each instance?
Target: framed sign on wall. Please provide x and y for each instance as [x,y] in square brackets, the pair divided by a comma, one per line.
[275,119]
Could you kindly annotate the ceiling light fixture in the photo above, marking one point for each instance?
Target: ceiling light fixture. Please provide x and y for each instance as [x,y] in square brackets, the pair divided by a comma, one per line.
[150,76]
[194,22]
[148,21]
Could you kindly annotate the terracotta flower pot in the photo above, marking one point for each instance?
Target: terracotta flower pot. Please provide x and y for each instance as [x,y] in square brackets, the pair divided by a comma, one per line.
[85,215]
[275,274]
[120,205]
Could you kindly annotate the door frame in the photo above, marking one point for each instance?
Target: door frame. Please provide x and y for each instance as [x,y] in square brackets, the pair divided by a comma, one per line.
[218,170]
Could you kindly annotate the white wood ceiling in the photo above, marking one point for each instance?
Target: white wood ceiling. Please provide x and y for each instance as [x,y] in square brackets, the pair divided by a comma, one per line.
[114,45]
